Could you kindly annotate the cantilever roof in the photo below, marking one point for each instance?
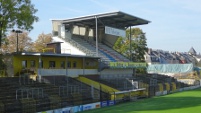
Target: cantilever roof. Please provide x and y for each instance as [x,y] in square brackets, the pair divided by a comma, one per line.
[116,19]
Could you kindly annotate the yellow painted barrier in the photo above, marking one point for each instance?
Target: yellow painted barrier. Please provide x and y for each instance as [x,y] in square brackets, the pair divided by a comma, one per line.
[174,87]
[160,87]
[100,86]
[167,86]
[130,94]
[97,85]
[147,89]
[114,93]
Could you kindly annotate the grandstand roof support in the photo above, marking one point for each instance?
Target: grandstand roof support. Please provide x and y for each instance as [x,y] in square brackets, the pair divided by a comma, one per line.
[96,36]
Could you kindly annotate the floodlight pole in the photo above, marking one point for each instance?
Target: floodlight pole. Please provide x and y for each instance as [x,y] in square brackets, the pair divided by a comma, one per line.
[17,31]
[96,37]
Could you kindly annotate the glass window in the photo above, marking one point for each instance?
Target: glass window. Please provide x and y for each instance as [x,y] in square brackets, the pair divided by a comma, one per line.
[24,64]
[33,63]
[63,64]
[74,64]
[52,64]
[69,64]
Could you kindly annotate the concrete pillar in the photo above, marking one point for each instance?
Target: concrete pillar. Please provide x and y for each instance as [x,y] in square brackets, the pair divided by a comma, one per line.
[86,33]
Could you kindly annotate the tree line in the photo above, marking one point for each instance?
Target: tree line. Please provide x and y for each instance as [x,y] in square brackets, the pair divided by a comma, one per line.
[25,43]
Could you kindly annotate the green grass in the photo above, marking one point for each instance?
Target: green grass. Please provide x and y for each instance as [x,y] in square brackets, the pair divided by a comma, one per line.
[181,102]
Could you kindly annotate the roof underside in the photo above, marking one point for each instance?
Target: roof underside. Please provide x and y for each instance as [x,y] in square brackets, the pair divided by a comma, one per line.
[114,19]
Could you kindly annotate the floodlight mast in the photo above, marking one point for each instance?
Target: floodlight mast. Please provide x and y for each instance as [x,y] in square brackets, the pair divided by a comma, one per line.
[17,31]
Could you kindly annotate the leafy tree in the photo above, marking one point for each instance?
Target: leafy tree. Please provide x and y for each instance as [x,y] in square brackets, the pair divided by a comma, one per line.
[138,44]
[134,49]
[118,45]
[42,41]
[16,13]
[9,44]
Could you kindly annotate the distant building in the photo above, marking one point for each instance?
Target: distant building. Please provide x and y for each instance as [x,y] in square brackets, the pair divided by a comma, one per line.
[192,51]
[166,57]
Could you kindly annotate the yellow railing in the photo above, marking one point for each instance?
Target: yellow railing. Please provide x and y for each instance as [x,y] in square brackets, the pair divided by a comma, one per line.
[48,49]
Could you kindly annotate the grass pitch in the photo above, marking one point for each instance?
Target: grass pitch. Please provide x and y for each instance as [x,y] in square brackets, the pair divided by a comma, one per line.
[181,102]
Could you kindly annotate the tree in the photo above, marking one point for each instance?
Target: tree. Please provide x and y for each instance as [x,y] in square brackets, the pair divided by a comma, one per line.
[9,44]
[42,41]
[16,13]
[138,45]
[135,48]
[118,45]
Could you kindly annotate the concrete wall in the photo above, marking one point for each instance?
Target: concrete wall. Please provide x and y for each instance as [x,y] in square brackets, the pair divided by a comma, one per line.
[116,72]
[68,48]
[68,72]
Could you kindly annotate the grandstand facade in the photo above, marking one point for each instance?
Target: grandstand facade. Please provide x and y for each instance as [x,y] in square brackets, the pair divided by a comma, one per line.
[95,35]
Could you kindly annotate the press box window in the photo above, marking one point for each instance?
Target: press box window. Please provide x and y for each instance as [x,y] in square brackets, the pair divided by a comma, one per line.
[74,64]
[52,64]
[69,64]
[24,64]
[63,64]
[33,64]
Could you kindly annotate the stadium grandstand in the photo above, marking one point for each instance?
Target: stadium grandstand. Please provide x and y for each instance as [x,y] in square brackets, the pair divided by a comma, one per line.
[80,70]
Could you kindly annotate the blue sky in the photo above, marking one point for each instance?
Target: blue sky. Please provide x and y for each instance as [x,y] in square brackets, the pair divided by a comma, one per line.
[175,24]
